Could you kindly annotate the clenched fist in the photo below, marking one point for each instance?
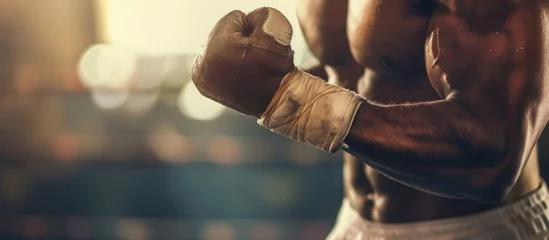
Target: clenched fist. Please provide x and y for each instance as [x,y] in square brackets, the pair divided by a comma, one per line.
[245,59]
[247,65]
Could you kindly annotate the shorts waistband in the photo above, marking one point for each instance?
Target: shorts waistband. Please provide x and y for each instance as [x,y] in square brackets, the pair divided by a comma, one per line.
[520,219]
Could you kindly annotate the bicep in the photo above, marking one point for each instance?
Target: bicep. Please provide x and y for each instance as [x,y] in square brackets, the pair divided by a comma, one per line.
[490,63]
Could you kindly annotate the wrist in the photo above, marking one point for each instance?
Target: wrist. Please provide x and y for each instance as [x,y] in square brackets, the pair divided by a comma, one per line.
[307,109]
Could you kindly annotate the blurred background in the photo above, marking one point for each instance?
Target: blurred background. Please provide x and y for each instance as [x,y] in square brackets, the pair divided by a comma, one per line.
[103,135]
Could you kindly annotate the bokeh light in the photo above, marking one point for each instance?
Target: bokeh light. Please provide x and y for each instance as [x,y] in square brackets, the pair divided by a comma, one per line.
[225,150]
[150,72]
[219,231]
[116,130]
[141,101]
[109,99]
[132,230]
[169,145]
[178,70]
[105,66]
[177,26]
[195,106]
[66,147]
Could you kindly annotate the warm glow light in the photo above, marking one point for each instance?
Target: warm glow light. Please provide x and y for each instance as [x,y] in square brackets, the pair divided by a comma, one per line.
[218,231]
[65,147]
[106,66]
[132,230]
[169,145]
[150,73]
[148,41]
[225,150]
[178,26]
[139,102]
[176,67]
[194,105]
[109,99]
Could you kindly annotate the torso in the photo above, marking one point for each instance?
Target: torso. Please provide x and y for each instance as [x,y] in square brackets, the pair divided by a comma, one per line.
[381,55]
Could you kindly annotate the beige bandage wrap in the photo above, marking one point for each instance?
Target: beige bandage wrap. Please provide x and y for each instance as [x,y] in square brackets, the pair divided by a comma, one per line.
[309,110]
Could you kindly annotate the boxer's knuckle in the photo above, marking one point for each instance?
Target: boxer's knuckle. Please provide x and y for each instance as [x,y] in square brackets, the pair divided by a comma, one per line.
[258,11]
[277,26]
[235,14]
[234,21]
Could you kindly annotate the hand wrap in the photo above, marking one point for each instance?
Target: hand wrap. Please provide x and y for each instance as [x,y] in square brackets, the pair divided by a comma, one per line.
[307,109]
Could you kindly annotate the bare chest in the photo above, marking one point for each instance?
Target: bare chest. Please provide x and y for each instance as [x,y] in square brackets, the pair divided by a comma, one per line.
[388,36]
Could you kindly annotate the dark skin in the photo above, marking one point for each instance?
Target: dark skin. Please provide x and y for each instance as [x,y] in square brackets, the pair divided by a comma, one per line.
[456,100]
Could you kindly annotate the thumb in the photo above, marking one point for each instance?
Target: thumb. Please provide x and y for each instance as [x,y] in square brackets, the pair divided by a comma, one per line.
[273,23]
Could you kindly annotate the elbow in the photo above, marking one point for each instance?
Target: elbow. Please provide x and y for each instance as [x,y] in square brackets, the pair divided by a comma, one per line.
[488,155]
[496,173]
[492,183]
[485,148]
[482,142]
[494,167]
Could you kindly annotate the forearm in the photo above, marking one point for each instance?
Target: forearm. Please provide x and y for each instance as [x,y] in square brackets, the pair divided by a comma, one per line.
[438,147]
[432,134]
[435,146]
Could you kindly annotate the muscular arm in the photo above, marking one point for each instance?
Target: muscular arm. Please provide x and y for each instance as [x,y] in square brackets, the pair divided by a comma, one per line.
[485,57]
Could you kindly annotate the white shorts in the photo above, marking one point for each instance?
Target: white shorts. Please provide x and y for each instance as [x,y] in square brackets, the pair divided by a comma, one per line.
[527,218]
